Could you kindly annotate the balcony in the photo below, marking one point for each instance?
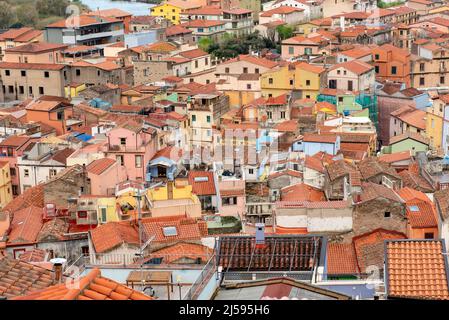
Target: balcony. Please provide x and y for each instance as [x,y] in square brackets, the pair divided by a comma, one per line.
[104,34]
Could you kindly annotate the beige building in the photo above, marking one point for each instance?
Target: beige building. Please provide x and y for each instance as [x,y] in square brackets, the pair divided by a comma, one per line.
[21,81]
[17,37]
[36,52]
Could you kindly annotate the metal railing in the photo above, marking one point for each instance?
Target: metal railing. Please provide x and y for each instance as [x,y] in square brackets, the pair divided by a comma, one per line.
[206,274]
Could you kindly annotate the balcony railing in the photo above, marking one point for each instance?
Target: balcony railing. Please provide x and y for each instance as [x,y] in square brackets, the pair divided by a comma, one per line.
[206,274]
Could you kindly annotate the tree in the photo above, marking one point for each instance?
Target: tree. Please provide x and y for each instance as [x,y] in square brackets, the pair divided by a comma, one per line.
[52,7]
[27,15]
[205,43]
[284,32]
[7,15]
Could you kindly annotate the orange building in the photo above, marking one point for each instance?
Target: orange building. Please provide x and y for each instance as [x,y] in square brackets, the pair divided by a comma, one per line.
[392,63]
[421,215]
[56,113]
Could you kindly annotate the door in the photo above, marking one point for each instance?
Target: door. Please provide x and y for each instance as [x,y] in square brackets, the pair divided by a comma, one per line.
[350,86]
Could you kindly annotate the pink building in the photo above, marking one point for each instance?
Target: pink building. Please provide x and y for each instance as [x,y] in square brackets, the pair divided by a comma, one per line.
[10,149]
[231,197]
[104,175]
[132,147]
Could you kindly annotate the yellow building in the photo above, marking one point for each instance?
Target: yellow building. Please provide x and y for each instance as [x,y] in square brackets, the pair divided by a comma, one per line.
[172,9]
[311,26]
[74,89]
[434,125]
[308,79]
[174,199]
[5,184]
[300,76]
[107,211]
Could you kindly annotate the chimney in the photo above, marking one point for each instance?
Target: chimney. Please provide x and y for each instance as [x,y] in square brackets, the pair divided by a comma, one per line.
[260,235]
[57,269]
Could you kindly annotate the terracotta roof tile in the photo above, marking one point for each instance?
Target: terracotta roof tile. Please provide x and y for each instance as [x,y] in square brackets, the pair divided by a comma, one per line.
[99,166]
[26,225]
[112,234]
[187,228]
[415,181]
[395,157]
[302,192]
[33,196]
[356,66]
[416,269]
[31,66]
[371,167]
[280,10]
[371,191]
[341,259]
[202,182]
[91,287]
[182,250]
[409,135]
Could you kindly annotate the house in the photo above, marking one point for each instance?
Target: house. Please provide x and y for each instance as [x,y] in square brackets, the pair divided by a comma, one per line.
[378,206]
[165,164]
[398,160]
[427,257]
[407,120]
[279,180]
[314,169]
[17,37]
[35,52]
[312,45]
[421,215]
[11,149]
[379,172]
[314,142]
[104,175]
[312,10]
[101,72]
[56,113]
[334,7]
[5,184]
[289,15]
[90,30]
[172,9]
[118,14]
[351,75]
[407,141]
[40,163]
[26,80]
[392,63]
[340,178]
[174,198]
[209,29]
[203,185]
[423,7]
[132,146]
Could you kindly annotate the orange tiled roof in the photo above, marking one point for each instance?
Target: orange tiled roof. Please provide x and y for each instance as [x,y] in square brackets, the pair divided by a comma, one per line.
[110,235]
[99,166]
[26,225]
[202,188]
[341,259]
[416,269]
[31,66]
[200,23]
[175,30]
[192,54]
[280,10]
[394,157]
[182,250]
[90,287]
[83,20]
[187,228]
[356,66]
[302,192]
[33,196]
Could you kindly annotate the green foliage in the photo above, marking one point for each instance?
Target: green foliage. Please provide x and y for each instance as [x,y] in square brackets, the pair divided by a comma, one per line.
[205,43]
[231,46]
[284,32]
[34,13]
[384,5]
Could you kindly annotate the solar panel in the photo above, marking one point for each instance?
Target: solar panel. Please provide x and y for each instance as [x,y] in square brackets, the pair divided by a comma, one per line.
[170,231]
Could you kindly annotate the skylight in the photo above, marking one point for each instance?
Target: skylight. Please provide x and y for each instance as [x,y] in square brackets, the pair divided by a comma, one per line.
[201,179]
[414,208]
[170,231]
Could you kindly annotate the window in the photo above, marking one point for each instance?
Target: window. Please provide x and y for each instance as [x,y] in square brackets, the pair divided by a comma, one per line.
[193,117]
[256,70]
[291,50]
[52,173]
[82,214]
[11,89]
[103,214]
[387,214]
[41,90]
[7,73]
[30,90]
[442,80]
[421,66]
[251,171]
[291,82]
[21,90]
[78,72]
[282,114]
[12,172]
[393,70]
[170,231]
[245,70]
[120,160]
[123,141]
[248,86]
[138,161]
[421,81]
[376,57]
[23,73]
[229,201]
[226,70]
[307,82]
[350,85]
[60,115]
[376,69]
[338,71]
[428,235]
[270,80]
[26,172]
[196,63]
[269,115]
[208,119]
